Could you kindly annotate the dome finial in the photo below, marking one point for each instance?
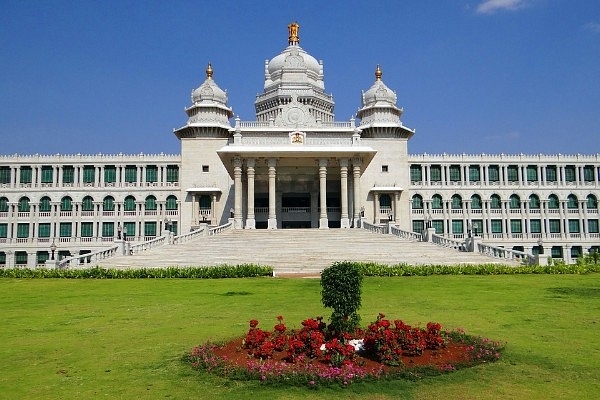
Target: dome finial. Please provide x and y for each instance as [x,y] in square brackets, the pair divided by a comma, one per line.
[378,73]
[209,71]
[293,31]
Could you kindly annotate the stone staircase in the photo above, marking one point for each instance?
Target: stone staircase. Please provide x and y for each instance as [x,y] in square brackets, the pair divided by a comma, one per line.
[296,251]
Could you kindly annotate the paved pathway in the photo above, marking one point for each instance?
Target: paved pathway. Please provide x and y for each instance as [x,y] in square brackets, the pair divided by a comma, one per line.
[296,251]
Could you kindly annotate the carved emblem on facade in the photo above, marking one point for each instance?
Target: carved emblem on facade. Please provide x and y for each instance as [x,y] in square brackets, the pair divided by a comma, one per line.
[297,137]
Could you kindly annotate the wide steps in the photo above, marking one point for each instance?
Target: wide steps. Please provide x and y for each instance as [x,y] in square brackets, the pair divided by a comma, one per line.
[296,251]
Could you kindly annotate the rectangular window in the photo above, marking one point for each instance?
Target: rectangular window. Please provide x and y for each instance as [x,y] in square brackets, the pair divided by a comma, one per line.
[436,173]
[42,257]
[2,258]
[457,226]
[551,173]
[494,173]
[416,173]
[44,230]
[205,168]
[87,229]
[108,229]
[68,174]
[22,230]
[89,174]
[3,230]
[554,225]
[130,174]
[570,173]
[418,226]
[474,173]
[455,173]
[477,226]
[574,226]
[588,173]
[592,226]
[47,174]
[384,168]
[149,228]
[515,226]
[173,227]
[172,173]
[532,173]
[21,257]
[65,229]
[4,174]
[129,227]
[151,173]
[556,252]
[535,226]
[438,224]
[110,174]
[25,175]
[512,172]
[496,225]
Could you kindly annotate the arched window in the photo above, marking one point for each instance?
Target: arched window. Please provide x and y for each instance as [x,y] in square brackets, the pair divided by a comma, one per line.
[514,202]
[456,202]
[417,202]
[592,202]
[45,204]
[534,202]
[553,202]
[171,203]
[3,204]
[475,202]
[24,204]
[150,203]
[385,202]
[129,204]
[205,202]
[66,204]
[436,202]
[108,204]
[87,204]
[495,201]
[572,201]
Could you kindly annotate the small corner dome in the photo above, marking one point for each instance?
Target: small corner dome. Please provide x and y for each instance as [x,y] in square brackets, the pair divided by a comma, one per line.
[209,91]
[379,93]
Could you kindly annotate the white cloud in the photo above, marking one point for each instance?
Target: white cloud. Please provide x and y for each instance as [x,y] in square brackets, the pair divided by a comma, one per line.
[593,27]
[491,6]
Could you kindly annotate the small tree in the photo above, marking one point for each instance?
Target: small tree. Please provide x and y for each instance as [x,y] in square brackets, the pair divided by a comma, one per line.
[341,289]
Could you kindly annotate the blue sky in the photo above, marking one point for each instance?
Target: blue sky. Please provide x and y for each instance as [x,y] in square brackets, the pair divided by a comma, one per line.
[473,76]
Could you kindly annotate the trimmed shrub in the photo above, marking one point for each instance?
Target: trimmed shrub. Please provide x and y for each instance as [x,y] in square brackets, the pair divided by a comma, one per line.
[341,285]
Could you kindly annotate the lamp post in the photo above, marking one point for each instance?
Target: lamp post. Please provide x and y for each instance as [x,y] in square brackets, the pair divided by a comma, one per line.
[390,216]
[167,224]
[469,227]
[362,211]
[52,250]
[119,230]
[540,246]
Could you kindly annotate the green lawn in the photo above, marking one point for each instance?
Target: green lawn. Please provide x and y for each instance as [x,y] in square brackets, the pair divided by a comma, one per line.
[123,339]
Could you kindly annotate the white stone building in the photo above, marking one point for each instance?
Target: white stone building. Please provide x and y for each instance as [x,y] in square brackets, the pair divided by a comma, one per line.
[295,167]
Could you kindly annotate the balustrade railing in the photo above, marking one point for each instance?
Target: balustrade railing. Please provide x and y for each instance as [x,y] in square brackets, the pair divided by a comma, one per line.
[87,258]
[507,254]
[138,248]
[405,234]
[459,245]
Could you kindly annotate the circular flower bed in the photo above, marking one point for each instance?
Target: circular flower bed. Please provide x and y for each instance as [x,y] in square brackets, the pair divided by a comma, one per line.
[313,355]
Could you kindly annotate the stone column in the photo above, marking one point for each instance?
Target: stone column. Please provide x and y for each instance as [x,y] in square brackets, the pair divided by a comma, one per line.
[194,209]
[250,221]
[375,208]
[345,221]
[323,222]
[396,208]
[237,183]
[272,219]
[357,203]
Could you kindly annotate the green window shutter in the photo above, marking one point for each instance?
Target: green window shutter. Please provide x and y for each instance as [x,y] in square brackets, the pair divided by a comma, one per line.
[477,225]
[385,201]
[24,204]
[108,229]
[418,226]
[25,175]
[416,174]
[534,202]
[456,202]
[570,173]
[66,204]
[438,224]
[551,173]
[87,204]
[495,202]
[553,202]
[592,226]
[68,174]
[5,174]
[47,174]
[2,258]
[532,173]
[45,205]
[3,230]
[22,230]
[172,173]
[65,229]
[110,174]
[42,257]
[150,203]
[494,173]
[44,230]
[87,229]
[130,174]
[171,203]
[515,202]
[21,257]
[455,173]
[592,202]
[89,174]
[151,173]
[417,202]
[436,173]
[554,225]
[588,173]
[515,226]
[475,202]
[574,226]
[108,204]
[535,226]
[457,226]
[129,227]
[149,228]
[474,173]
[513,173]
[3,204]
[496,225]
[436,202]
[572,202]
[129,204]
